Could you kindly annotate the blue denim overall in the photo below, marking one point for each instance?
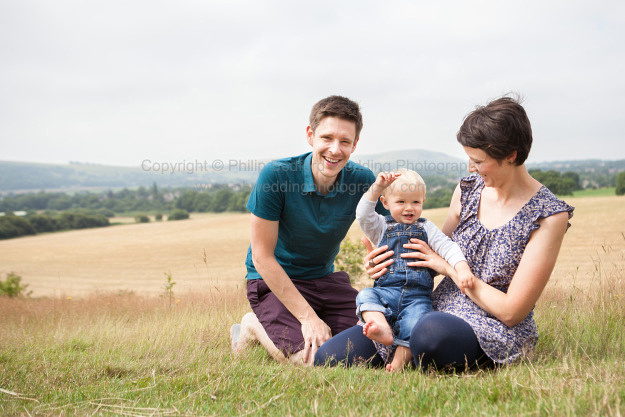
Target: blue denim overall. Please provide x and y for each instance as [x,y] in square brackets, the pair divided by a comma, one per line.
[403,293]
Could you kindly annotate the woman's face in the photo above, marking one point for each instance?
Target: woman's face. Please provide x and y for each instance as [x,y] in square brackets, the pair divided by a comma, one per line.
[490,169]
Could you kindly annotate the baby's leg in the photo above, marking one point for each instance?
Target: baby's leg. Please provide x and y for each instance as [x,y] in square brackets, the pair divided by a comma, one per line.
[377,328]
[402,357]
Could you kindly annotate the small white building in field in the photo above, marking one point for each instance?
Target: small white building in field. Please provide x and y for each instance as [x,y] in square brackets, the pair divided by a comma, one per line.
[16,213]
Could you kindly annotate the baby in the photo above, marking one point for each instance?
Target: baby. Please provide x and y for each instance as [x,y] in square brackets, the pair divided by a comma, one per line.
[401,296]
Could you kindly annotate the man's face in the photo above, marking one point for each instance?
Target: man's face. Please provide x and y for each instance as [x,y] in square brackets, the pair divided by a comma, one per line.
[333,142]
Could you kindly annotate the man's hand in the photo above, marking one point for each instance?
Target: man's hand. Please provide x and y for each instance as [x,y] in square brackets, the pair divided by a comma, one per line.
[379,257]
[315,333]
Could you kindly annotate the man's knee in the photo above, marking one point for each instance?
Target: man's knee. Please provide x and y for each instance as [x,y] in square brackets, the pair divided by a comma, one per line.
[249,326]
[297,358]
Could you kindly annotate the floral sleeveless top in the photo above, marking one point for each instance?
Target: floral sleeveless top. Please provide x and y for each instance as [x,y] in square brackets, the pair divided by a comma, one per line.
[494,256]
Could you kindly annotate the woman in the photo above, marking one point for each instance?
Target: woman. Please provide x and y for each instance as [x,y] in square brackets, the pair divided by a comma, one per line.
[510,228]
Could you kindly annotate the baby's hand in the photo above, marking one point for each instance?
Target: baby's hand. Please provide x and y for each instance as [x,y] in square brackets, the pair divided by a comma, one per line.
[385,179]
[466,280]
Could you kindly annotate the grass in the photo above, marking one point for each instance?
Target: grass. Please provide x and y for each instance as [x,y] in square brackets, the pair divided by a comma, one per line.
[599,192]
[130,355]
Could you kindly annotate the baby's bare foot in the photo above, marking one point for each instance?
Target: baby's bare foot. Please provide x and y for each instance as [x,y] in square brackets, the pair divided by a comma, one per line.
[381,334]
[401,358]
[395,366]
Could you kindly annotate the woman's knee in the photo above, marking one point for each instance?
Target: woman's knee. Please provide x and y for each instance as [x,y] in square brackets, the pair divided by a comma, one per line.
[428,335]
[444,340]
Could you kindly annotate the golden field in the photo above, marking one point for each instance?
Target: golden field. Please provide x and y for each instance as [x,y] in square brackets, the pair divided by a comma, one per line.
[208,251]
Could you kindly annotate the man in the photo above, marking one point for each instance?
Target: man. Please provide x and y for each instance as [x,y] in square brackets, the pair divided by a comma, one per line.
[302,207]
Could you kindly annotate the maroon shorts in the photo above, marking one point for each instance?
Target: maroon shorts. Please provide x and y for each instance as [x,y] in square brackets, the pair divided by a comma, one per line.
[332,297]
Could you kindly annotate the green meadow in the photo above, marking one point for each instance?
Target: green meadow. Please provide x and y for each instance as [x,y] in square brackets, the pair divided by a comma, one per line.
[136,352]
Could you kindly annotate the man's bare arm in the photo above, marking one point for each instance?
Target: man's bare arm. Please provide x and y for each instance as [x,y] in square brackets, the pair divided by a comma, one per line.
[264,239]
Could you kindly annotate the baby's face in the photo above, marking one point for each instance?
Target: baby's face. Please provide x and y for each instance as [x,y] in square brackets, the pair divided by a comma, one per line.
[405,202]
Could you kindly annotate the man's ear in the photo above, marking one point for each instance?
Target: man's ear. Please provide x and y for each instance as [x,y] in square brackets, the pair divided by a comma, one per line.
[310,134]
[355,143]
[512,157]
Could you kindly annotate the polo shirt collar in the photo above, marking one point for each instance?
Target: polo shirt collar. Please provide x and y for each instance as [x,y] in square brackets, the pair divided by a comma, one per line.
[309,182]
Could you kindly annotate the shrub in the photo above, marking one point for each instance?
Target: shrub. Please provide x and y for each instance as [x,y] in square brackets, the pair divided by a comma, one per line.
[42,223]
[73,220]
[349,259]
[158,217]
[14,226]
[556,182]
[440,197]
[178,214]
[11,286]
[106,212]
[620,183]
[142,218]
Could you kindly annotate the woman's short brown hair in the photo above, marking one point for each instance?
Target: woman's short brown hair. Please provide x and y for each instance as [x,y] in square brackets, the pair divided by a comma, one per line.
[499,128]
[336,106]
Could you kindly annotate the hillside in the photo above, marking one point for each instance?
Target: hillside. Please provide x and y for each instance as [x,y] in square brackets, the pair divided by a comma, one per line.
[17,177]
[28,176]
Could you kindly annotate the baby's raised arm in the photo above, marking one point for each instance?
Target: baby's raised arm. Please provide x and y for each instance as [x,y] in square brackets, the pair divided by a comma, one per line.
[383,180]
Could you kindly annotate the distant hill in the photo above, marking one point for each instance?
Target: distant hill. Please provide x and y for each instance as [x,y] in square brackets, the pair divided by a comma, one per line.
[26,176]
[19,177]
[582,165]
[426,163]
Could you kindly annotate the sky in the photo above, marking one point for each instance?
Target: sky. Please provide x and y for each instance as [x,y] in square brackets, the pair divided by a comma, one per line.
[121,82]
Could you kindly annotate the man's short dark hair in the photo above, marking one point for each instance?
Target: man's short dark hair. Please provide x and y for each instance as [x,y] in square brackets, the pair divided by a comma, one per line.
[336,106]
[499,128]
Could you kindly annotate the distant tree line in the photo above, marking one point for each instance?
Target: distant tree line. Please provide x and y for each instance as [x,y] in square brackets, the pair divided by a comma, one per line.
[218,201]
[108,203]
[592,173]
[216,198]
[558,183]
[49,212]
[15,226]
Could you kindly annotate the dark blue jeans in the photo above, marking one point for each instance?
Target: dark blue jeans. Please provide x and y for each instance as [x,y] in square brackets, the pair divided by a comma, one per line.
[439,340]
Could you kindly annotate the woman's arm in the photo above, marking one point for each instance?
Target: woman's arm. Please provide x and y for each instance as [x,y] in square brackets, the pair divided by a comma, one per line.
[453,214]
[531,276]
[528,282]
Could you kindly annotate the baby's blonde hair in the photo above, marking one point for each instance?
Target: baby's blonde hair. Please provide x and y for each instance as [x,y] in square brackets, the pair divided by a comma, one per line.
[407,177]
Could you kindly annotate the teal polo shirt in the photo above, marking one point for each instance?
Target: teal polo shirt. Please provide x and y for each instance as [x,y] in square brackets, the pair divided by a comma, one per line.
[311,225]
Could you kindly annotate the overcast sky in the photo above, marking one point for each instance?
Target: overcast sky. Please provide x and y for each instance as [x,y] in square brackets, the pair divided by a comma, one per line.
[118,82]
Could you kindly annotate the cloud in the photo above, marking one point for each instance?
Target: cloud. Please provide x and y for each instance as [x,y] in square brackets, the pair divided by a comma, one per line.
[115,82]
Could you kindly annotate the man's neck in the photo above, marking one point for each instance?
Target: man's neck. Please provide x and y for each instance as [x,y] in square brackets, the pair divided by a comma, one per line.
[324,188]
[323,184]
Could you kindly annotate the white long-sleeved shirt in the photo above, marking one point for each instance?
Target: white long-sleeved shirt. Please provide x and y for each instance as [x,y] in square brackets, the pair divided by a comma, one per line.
[374,225]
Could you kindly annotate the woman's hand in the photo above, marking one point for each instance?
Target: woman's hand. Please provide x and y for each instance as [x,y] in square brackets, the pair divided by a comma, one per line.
[378,257]
[426,257]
